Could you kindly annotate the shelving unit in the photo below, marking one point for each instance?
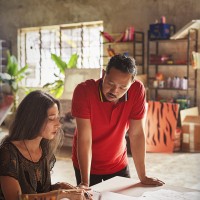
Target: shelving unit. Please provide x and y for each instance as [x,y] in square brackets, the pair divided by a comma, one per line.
[172,58]
[4,47]
[133,48]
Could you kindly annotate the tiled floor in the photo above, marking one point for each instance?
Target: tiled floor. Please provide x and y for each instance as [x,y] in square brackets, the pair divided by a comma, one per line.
[177,169]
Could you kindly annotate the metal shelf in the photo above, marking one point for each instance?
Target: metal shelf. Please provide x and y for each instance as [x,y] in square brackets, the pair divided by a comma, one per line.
[137,51]
[191,45]
[4,47]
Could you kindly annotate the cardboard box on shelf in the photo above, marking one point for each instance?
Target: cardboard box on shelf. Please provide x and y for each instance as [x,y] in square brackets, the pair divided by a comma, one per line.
[189,111]
[191,134]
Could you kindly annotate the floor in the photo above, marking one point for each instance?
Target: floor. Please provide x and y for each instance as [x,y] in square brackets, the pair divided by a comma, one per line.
[176,169]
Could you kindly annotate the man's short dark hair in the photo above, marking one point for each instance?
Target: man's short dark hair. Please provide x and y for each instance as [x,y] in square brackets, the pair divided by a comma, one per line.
[123,63]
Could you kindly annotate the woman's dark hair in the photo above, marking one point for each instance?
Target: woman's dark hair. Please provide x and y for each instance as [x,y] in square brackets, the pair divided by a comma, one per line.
[30,116]
[122,63]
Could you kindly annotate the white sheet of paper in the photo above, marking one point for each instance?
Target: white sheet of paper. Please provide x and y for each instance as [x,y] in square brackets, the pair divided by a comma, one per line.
[115,196]
[162,194]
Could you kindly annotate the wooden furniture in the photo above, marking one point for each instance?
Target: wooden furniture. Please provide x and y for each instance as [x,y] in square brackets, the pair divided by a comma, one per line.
[71,194]
[42,196]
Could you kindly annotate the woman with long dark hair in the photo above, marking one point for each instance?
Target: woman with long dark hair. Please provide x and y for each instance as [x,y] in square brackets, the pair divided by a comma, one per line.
[27,153]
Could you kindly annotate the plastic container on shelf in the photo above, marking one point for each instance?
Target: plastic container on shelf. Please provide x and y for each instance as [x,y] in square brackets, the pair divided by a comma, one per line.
[169,82]
[185,83]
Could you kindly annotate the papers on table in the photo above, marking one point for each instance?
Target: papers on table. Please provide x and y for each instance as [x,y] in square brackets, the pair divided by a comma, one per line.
[162,194]
[110,196]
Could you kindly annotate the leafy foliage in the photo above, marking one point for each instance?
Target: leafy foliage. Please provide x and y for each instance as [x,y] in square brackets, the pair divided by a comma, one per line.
[14,76]
[57,87]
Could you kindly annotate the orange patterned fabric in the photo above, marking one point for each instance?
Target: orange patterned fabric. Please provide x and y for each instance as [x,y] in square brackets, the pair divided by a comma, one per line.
[161,125]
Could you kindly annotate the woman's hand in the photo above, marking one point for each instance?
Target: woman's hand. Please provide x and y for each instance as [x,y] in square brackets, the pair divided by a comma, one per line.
[84,186]
[68,190]
[62,185]
[78,194]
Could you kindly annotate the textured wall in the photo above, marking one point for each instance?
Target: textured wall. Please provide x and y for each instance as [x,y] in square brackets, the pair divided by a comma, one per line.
[117,15]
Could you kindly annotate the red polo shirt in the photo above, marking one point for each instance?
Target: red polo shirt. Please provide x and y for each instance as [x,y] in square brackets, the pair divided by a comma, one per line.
[109,122]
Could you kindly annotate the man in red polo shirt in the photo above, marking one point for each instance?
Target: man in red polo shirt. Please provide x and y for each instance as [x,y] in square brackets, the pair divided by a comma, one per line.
[105,110]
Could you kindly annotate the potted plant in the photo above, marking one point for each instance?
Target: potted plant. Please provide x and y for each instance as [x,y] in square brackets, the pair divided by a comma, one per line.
[57,87]
[13,76]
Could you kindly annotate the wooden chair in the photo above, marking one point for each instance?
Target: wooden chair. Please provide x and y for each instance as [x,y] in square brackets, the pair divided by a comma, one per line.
[71,194]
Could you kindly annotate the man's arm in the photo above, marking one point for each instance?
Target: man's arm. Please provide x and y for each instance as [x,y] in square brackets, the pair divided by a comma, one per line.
[137,144]
[84,149]
[138,150]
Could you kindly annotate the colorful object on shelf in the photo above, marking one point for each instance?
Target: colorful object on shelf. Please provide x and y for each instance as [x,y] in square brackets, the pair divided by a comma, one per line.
[159,76]
[155,83]
[126,53]
[161,125]
[159,81]
[161,84]
[163,19]
[161,59]
[184,103]
[161,31]
[169,82]
[195,60]
[107,36]
[111,51]
[127,35]
[184,83]
[178,83]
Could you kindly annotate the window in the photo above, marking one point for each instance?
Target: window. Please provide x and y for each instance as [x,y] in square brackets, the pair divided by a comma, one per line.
[37,44]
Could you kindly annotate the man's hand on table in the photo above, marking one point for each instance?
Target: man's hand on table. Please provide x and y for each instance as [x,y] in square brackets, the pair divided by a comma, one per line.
[152,181]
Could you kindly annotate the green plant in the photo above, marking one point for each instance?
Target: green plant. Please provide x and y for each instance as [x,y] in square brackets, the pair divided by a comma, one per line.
[57,87]
[13,76]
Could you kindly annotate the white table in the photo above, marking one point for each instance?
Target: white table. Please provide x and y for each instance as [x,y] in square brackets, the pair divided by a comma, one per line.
[125,188]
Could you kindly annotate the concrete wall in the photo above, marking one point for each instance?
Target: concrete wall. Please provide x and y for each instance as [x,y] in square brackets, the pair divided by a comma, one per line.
[116,14]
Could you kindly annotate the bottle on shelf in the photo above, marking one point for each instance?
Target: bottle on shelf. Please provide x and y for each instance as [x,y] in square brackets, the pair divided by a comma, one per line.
[184,83]
[169,82]
[111,51]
